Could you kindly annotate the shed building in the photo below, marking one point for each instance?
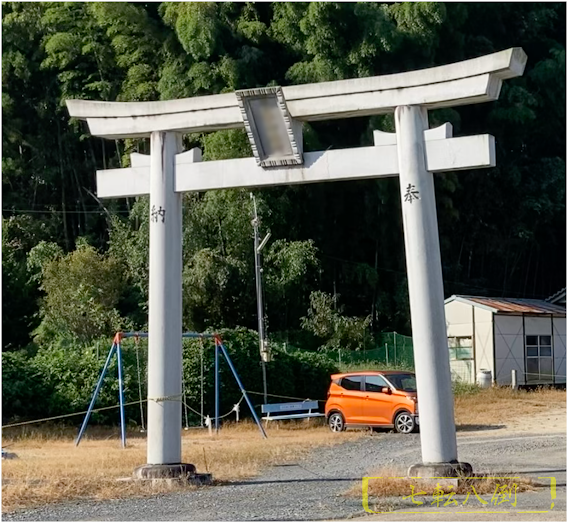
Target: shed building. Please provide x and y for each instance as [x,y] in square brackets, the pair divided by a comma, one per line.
[502,334]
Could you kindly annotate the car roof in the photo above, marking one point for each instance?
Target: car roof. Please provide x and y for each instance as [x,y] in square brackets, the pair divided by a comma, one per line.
[370,372]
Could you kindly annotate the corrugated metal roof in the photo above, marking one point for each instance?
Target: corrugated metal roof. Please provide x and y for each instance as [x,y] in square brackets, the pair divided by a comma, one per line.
[560,295]
[513,305]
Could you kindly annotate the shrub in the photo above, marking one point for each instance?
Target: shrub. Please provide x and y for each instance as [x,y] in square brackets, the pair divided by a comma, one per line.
[461,388]
[61,378]
[326,321]
[82,290]
[24,392]
[296,375]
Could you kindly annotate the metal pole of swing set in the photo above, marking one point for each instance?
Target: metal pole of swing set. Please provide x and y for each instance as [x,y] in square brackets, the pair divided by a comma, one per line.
[216,387]
[121,393]
[96,393]
[115,348]
[259,304]
[219,346]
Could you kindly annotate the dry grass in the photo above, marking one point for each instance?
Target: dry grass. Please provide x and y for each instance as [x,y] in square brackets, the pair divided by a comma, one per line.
[500,405]
[391,482]
[50,468]
[387,484]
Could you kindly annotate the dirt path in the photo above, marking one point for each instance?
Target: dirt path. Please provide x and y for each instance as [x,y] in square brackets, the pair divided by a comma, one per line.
[551,421]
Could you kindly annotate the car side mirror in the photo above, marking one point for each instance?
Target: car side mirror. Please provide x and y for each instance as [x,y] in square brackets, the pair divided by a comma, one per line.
[386,390]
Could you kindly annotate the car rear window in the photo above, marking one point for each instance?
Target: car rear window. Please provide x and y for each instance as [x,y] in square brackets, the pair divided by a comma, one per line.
[351,382]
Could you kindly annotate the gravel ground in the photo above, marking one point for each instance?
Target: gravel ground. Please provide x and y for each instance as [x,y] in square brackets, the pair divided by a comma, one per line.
[313,488]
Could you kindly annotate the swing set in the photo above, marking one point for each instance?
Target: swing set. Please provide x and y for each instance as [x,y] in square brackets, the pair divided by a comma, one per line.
[116,348]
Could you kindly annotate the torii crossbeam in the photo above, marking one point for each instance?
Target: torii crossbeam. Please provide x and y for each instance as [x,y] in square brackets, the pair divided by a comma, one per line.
[413,153]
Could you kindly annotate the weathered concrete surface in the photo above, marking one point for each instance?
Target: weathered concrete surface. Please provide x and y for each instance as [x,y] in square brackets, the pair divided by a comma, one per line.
[452,154]
[471,81]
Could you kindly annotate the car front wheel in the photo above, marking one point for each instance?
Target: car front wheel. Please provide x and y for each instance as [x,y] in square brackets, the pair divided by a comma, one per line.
[336,422]
[404,423]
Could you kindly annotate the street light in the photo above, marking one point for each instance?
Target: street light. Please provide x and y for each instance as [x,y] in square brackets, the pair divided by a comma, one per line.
[262,342]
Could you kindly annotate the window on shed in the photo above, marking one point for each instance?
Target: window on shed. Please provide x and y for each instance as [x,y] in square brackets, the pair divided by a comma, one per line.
[539,358]
[461,348]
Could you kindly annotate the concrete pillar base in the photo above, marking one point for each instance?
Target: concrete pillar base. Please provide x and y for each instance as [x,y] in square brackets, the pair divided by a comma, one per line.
[455,469]
[175,471]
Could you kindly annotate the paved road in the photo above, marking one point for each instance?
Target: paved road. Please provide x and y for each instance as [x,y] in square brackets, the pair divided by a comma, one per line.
[314,487]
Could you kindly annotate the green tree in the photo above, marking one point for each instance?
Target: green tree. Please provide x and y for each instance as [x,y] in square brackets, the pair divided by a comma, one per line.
[290,270]
[497,227]
[326,321]
[81,290]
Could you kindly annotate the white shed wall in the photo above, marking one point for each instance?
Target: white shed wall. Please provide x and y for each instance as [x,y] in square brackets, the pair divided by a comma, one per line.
[459,319]
[459,323]
[483,340]
[559,348]
[510,345]
[538,325]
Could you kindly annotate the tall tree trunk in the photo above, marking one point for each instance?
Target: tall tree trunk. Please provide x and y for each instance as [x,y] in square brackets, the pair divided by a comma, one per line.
[536,272]
[62,173]
[375,290]
[103,148]
[458,263]
[528,268]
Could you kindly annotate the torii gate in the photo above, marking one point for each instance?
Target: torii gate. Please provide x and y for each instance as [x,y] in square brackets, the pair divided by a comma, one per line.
[269,114]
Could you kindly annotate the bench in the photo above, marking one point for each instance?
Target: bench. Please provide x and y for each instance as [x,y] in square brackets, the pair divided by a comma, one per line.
[298,409]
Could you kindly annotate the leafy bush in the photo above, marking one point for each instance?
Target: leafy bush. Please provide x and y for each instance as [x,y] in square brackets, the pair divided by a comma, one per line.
[326,321]
[60,378]
[71,374]
[24,392]
[82,290]
[461,388]
[300,375]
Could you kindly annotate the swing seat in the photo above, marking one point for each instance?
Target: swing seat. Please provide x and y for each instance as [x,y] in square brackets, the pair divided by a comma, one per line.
[296,410]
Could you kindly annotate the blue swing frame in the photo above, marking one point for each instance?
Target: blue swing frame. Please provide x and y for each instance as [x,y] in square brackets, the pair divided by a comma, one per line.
[116,348]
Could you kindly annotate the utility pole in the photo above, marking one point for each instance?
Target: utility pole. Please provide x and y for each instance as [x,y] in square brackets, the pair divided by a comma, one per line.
[262,342]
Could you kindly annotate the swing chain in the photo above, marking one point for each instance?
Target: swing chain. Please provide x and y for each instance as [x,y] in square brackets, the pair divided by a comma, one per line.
[184,400]
[136,345]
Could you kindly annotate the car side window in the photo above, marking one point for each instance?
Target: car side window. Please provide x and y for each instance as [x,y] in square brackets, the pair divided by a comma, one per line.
[351,382]
[375,383]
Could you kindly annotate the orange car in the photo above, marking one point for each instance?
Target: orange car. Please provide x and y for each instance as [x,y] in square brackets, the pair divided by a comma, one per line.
[373,399]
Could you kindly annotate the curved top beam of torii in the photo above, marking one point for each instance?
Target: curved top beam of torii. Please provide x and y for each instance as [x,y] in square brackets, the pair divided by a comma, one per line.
[471,81]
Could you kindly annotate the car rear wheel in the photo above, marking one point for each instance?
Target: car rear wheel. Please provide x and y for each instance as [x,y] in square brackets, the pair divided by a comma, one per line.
[404,423]
[336,422]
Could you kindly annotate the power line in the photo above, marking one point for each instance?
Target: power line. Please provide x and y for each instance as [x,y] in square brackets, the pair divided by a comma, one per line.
[56,211]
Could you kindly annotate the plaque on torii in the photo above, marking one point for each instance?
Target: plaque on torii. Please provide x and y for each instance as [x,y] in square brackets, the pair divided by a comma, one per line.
[272,117]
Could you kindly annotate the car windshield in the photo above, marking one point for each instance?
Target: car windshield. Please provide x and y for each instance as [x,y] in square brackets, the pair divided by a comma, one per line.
[405,382]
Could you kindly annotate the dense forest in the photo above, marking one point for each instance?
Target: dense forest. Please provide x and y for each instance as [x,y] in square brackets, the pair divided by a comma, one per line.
[75,267]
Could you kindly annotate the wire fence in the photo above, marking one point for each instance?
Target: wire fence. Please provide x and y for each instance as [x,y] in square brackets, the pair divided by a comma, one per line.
[389,350]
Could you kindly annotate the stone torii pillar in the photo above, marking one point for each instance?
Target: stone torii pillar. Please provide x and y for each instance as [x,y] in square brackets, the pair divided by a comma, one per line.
[272,118]
[426,291]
